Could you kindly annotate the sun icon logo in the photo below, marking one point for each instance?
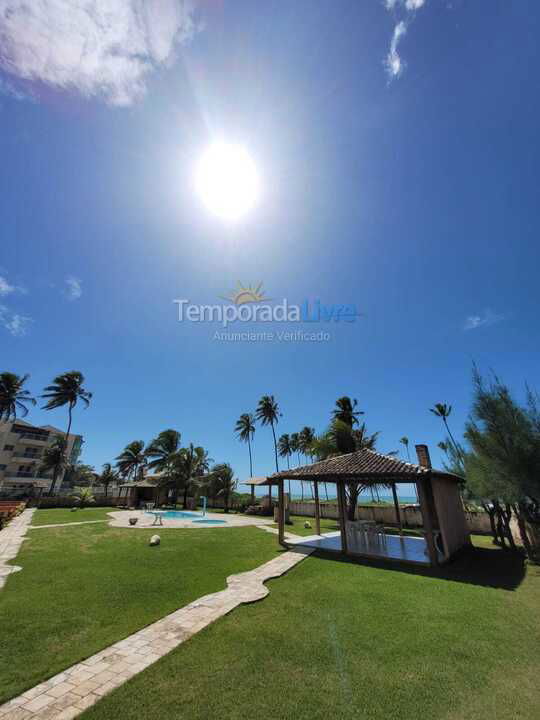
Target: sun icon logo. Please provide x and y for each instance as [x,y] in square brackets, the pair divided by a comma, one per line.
[243,295]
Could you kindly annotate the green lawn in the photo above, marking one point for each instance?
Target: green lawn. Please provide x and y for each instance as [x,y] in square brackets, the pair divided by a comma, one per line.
[66,515]
[339,639]
[298,528]
[84,587]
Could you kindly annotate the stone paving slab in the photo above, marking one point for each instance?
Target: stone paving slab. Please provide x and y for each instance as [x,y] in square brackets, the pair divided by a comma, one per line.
[11,539]
[69,693]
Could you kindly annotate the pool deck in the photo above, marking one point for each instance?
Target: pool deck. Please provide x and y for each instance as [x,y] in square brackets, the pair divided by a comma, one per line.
[145,520]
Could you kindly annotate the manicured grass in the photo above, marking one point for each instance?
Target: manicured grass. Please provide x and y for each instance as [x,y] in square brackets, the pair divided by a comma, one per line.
[339,639]
[84,587]
[66,515]
[298,528]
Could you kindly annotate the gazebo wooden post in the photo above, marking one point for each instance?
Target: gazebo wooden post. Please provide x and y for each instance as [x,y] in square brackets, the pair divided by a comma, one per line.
[317,508]
[398,511]
[426,520]
[281,512]
[342,507]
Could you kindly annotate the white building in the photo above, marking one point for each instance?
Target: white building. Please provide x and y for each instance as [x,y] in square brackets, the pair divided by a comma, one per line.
[21,451]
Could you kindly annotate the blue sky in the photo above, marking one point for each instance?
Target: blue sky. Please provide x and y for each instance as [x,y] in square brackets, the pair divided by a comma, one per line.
[401,177]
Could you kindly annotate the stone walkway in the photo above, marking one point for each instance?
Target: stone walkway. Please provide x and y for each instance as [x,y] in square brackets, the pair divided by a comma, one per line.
[11,538]
[68,524]
[67,694]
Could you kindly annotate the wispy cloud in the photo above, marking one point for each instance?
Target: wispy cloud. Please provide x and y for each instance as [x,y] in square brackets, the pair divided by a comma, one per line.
[485,319]
[17,325]
[103,48]
[73,288]
[403,11]
[6,288]
[394,64]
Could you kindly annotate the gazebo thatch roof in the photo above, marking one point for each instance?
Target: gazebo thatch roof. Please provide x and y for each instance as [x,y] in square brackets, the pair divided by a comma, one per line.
[362,466]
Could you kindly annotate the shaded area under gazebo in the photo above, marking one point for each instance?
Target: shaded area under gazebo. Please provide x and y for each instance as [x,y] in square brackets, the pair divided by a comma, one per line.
[445,529]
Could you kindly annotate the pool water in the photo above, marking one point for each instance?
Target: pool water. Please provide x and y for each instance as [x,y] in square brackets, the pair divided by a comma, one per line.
[194,517]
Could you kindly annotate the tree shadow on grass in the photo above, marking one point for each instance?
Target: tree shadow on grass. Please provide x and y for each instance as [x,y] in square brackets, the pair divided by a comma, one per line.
[495,568]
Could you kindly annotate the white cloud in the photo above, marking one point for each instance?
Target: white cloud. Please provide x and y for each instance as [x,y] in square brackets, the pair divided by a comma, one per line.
[485,319]
[414,4]
[74,288]
[6,288]
[103,48]
[394,63]
[14,323]
[403,11]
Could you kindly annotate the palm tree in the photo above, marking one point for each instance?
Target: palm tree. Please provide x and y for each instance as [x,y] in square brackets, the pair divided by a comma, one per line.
[189,466]
[12,396]
[224,482]
[132,460]
[405,441]
[268,414]
[295,448]
[67,389]
[295,445]
[306,436]
[84,496]
[345,411]
[79,474]
[245,429]
[54,460]
[285,450]
[443,411]
[107,477]
[162,451]
[339,439]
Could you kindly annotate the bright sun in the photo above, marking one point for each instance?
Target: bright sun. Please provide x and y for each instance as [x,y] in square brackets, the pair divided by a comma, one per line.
[226,180]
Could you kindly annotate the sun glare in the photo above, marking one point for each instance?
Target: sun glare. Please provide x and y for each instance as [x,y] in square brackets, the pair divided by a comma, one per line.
[226,181]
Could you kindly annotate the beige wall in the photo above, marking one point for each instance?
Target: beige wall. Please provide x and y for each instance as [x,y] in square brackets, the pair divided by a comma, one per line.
[477,522]
[452,520]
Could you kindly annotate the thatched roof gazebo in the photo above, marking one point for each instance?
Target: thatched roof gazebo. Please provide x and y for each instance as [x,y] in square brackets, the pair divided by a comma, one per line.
[444,524]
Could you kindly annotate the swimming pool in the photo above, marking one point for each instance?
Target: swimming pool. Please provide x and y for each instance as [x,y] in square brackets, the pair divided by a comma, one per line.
[193,516]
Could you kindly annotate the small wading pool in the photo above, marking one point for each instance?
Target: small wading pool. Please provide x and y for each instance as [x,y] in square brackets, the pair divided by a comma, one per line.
[194,517]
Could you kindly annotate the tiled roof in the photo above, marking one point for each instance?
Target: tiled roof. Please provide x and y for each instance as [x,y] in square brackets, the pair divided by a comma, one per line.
[362,464]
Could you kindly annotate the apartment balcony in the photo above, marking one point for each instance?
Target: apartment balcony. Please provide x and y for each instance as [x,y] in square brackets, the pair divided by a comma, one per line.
[22,478]
[33,439]
[22,456]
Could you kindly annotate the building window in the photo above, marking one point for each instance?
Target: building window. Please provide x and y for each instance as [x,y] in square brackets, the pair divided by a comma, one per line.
[8,447]
[3,467]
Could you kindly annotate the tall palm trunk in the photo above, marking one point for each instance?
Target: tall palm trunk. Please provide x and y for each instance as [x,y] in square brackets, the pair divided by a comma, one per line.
[451,436]
[70,410]
[277,466]
[289,480]
[251,473]
[185,496]
[54,479]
